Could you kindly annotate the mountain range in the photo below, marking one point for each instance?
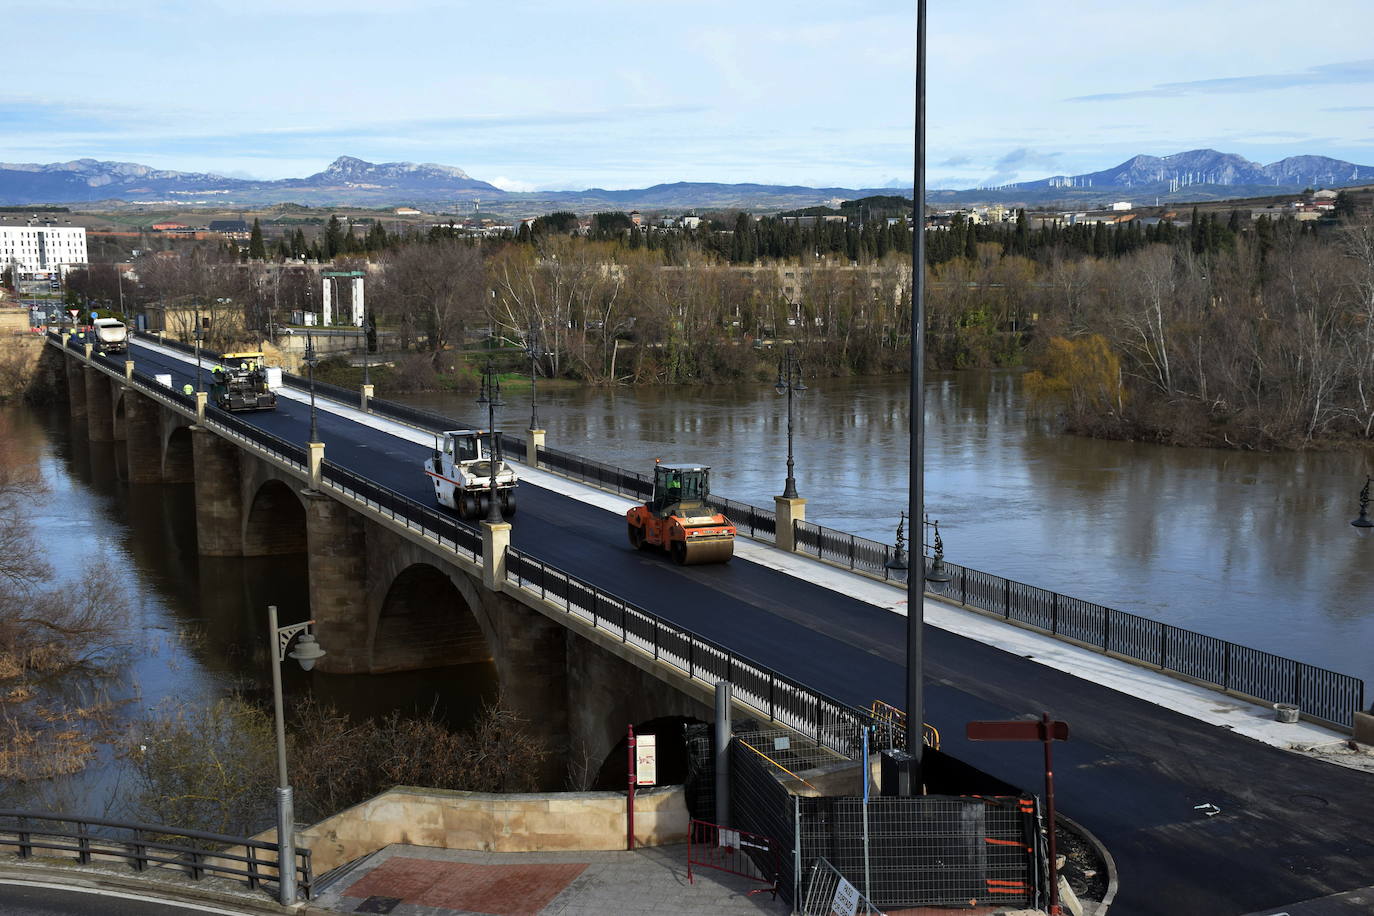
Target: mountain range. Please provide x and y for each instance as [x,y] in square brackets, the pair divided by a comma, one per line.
[91,184]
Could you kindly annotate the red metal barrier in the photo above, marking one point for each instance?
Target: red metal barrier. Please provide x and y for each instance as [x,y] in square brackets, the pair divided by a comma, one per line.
[739,852]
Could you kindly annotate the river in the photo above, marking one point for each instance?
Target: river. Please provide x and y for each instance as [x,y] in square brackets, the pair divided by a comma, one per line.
[1255,548]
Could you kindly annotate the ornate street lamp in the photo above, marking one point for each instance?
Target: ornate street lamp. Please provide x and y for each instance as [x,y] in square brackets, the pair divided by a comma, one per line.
[490,395]
[532,348]
[307,652]
[311,360]
[1362,523]
[898,565]
[789,381]
[937,577]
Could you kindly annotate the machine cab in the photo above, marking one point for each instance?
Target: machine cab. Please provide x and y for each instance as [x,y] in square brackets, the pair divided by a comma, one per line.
[679,489]
[459,447]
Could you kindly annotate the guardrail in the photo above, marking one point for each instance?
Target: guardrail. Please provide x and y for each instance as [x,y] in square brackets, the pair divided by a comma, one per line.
[1320,693]
[445,529]
[626,483]
[151,845]
[808,712]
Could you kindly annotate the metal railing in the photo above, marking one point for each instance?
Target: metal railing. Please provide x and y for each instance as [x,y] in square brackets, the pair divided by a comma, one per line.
[626,483]
[1320,693]
[428,520]
[808,712]
[241,429]
[737,852]
[858,553]
[325,389]
[192,852]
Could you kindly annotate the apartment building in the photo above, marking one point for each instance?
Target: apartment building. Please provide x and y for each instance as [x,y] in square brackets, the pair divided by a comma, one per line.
[32,248]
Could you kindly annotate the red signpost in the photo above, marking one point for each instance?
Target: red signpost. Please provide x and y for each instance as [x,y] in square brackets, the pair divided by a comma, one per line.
[1045,730]
[630,799]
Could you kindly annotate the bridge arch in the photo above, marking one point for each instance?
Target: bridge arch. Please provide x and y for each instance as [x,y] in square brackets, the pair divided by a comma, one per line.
[275,521]
[428,618]
[120,426]
[178,460]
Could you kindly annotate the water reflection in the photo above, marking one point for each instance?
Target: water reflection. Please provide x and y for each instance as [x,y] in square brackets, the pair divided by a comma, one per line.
[1256,548]
[198,625]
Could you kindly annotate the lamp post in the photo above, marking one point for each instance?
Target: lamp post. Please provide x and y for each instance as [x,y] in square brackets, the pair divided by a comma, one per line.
[915,620]
[1362,523]
[532,348]
[307,652]
[310,361]
[363,329]
[198,334]
[490,395]
[789,380]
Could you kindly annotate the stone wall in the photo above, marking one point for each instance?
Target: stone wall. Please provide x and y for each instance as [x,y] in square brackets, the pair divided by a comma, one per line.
[19,354]
[551,822]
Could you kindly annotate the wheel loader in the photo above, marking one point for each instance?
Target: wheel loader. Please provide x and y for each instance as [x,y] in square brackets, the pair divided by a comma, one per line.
[678,520]
[463,477]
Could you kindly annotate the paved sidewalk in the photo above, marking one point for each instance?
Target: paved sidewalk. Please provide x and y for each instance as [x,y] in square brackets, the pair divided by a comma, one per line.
[422,881]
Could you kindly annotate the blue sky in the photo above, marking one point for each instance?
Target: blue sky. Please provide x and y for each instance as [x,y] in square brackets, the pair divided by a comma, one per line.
[550,94]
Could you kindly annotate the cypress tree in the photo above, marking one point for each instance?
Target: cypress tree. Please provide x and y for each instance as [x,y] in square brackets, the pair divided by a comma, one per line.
[256,249]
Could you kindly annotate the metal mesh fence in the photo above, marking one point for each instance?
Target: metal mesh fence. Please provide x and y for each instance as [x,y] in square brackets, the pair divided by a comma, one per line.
[760,804]
[927,850]
[828,893]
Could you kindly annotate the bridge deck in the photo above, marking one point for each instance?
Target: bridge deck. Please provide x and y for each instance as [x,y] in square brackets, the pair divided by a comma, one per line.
[1132,773]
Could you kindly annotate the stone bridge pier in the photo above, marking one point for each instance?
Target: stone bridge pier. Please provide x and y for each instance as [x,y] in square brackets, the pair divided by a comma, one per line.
[383,597]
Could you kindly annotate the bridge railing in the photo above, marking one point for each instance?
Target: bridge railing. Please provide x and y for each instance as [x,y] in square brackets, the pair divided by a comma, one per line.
[781,699]
[626,483]
[143,846]
[325,389]
[448,531]
[858,553]
[1320,693]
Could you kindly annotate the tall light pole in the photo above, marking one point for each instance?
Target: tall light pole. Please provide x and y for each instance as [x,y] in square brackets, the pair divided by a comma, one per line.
[310,361]
[307,652]
[198,334]
[490,395]
[916,582]
[789,380]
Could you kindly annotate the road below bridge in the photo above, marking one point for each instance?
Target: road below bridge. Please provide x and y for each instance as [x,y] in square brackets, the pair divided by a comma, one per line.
[1290,828]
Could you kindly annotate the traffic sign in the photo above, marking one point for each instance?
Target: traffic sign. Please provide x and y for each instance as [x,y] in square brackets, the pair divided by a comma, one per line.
[95,314]
[1018,730]
[72,312]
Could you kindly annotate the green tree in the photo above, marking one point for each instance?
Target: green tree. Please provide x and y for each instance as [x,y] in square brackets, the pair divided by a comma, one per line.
[256,249]
[333,238]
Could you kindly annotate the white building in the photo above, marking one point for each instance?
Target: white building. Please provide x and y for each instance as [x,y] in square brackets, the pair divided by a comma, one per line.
[1122,205]
[31,248]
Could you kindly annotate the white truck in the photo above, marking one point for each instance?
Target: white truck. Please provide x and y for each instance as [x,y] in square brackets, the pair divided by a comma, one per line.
[465,477]
[111,335]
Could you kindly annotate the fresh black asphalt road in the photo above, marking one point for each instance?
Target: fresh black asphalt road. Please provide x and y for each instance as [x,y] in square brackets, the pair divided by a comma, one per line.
[1289,829]
[34,900]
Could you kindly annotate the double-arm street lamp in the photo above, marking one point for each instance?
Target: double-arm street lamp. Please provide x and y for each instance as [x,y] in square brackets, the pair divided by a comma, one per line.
[532,348]
[307,652]
[789,381]
[311,360]
[490,395]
